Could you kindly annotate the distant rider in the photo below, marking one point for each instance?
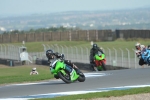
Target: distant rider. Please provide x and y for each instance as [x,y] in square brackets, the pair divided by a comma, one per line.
[51,55]
[139,49]
[93,51]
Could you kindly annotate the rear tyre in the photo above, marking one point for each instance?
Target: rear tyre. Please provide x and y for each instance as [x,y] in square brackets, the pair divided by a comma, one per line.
[65,78]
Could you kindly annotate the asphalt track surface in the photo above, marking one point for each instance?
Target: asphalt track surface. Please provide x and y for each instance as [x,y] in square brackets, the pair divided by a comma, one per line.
[94,80]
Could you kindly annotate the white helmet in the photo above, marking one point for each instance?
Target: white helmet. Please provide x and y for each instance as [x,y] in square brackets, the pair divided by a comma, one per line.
[137,44]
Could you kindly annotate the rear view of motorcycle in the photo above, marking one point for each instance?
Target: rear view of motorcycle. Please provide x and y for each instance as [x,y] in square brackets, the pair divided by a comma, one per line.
[58,69]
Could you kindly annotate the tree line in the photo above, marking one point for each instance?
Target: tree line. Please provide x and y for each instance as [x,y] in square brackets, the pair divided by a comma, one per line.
[51,29]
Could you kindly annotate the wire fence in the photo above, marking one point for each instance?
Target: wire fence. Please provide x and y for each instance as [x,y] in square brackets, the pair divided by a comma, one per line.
[114,56]
[9,52]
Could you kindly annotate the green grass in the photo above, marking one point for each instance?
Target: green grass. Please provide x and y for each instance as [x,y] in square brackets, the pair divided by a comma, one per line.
[114,93]
[20,74]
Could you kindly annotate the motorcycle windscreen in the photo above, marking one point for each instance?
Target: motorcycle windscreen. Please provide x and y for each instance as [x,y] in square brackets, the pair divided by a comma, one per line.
[99,57]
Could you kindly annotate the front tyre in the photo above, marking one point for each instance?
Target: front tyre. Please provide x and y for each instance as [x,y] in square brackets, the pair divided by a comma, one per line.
[103,66]
[65,78]
[81,77]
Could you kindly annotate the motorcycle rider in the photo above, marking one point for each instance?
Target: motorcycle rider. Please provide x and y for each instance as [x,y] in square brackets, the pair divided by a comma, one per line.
[93,51]
[139,49]
[69,65]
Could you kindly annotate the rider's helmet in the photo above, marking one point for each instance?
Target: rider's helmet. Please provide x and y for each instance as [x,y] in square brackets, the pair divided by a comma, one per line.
[49,54]
[95,46]
[61,56]
[138,46]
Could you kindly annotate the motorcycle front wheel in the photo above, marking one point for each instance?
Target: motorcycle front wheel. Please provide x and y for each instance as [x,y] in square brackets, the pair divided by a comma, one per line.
[103,66]
[81,77]
[65,78]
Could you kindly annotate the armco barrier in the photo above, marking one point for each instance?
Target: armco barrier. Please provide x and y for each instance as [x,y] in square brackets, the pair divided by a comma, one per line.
[10,62]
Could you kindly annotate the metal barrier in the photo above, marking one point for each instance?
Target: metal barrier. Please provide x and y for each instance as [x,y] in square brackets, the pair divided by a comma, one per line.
[114,56]
[9,52]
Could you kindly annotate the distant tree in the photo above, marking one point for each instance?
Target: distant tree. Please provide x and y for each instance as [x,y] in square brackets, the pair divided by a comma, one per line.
[5,32]
[14,32]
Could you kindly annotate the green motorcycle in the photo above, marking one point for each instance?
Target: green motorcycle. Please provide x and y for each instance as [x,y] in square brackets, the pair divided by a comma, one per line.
[58,68]
[100,61]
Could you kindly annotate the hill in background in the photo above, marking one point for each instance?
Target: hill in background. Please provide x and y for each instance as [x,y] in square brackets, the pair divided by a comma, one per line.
[116,19]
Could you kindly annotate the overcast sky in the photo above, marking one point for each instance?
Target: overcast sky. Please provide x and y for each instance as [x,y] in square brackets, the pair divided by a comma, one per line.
[23,7]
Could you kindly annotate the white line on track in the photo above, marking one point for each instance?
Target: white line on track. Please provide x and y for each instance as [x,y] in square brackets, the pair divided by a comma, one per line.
[52,95]
[63,93]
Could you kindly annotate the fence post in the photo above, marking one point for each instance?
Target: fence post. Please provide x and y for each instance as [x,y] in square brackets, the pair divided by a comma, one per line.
[16,48]
[128,57]
[4,51]
[57,48]
[44,47]
[109,55]
[134,59]
[115,55]
[66,51]
[81,53]
[48,46]
[52,47]
[121,57]
[87,54]
[76,53]
[13,54]
[9,52]
[62,49]
[72,53]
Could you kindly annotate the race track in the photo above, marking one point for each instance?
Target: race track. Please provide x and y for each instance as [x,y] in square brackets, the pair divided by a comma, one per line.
[95,81]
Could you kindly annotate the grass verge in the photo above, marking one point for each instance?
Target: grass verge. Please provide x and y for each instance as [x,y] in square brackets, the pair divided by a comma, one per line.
[90,96]
[20,74]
